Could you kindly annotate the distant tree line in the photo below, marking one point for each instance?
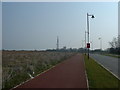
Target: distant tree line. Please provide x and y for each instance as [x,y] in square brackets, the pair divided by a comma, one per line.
[64,49]
[115,45]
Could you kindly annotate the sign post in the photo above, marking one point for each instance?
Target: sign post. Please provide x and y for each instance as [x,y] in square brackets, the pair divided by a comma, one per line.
[88,46]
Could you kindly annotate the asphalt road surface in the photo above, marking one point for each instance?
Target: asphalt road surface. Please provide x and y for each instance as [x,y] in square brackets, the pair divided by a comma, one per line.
[108,62]
[68,74]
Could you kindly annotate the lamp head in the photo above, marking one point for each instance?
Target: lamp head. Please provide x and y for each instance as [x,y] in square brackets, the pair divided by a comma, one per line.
[99,38]
[93,16]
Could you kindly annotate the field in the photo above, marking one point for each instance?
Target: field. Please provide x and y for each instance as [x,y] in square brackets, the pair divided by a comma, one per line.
[19,66]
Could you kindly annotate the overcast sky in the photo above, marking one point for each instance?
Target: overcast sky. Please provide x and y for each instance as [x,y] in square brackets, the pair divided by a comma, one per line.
[0,26]
[29,25]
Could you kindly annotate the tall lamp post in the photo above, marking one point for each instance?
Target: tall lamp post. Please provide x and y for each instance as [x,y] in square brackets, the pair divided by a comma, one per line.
[88,44]
[91,45]
[100,43]
[85,42]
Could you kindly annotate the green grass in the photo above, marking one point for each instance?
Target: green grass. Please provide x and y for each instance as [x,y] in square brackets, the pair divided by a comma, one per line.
[111,55]
[98,77]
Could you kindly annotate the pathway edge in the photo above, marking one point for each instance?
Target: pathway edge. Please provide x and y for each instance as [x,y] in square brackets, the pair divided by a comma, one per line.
[85,72]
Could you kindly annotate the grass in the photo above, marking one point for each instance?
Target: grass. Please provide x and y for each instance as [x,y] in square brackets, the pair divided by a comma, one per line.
[12,82]
[112,55]
[98,77]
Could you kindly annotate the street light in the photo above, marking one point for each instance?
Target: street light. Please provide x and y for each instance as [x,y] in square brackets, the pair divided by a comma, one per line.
[85,42]
[88,44]
[82,46]
[91,45]
[100,43]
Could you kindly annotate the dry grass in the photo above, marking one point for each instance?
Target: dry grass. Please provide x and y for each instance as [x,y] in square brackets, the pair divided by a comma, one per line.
[17,64]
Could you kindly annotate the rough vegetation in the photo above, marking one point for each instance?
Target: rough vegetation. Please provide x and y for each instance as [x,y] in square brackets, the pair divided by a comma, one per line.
[115,46]
[18,66]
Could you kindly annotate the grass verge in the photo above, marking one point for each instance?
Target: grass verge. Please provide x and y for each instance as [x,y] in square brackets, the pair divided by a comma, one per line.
[98,77]
[112,55]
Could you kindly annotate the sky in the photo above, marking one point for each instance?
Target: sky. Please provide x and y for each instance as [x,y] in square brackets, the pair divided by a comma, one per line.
[119,18]
[36,25]
[0,26]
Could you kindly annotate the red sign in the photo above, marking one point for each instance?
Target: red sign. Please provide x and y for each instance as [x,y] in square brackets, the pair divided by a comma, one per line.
[88,45]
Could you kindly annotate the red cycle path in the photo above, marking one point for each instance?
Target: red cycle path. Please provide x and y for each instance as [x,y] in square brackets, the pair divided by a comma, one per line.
[68,74]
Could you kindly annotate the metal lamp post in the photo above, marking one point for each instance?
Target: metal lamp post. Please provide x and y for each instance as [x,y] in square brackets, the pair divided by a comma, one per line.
[85,42]
[88,44]
[100,43]
[91,45]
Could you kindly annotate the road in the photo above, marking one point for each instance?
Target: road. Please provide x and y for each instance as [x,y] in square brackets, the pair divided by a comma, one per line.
[108,62]
[68,74]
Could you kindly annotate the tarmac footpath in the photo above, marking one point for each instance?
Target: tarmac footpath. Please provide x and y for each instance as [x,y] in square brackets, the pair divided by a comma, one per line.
[68,74]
